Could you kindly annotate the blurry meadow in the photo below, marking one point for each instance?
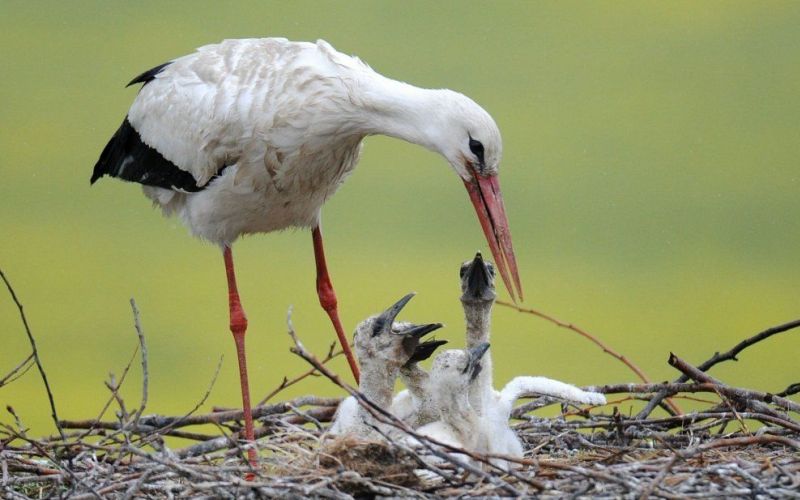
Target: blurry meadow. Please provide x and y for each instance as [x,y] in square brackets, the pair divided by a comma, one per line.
[650,174]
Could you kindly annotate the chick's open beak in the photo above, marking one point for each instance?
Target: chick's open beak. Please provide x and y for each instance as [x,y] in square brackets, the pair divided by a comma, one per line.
[478,277]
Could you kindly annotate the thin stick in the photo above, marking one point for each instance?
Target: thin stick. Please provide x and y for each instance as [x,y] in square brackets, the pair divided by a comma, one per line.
[744,344]
[740,394]
[143,349]
[583,333]
[659,477]
[35,353]
[10,377]
[310,373]
[718,358]
[111,398]
[792,389]
[741,441]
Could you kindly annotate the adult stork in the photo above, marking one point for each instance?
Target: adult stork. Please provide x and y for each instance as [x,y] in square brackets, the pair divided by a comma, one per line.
[253,136]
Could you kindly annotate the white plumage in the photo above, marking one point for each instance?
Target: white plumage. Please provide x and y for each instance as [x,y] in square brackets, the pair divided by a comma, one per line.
[277,113]
[287,119]
[485,429]
[471,413]
[382,347]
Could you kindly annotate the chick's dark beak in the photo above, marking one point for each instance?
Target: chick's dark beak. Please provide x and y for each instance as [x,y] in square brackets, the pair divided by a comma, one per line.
[413,334]
[475,354]
[383,322]
[477,281]
[425,350]
[418,331]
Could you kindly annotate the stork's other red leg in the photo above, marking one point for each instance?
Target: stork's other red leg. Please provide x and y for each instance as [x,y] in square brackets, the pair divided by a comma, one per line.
[327,299]
[239,328]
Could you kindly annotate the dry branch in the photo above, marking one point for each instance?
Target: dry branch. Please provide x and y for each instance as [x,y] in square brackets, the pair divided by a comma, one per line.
[34,353]
[593,339]
[728,355]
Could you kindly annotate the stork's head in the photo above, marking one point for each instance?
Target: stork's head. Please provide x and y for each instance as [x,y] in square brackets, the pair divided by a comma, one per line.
[455,369]
[381,340]
[470,140]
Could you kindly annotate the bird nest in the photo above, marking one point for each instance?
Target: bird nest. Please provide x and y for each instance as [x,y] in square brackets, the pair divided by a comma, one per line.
[595,453]
[741,442]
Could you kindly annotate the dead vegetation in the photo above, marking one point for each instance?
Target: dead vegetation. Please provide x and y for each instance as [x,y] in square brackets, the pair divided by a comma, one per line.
[741,443]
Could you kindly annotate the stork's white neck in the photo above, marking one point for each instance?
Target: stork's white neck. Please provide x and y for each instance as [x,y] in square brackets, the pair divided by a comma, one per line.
[414,379]
[479,319]
[456,411]
[377,383]
[403,111]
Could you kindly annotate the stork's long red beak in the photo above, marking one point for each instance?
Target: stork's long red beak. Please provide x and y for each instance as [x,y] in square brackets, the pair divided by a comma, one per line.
[488,201]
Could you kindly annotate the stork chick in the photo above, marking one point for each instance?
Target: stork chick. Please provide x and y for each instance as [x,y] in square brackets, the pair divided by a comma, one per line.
[459,424]
[455,373]
[477,298]
[382,346]
[415,405]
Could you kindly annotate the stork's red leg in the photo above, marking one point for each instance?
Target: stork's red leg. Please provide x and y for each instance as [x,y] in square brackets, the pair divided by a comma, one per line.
[327,299]
[239,328]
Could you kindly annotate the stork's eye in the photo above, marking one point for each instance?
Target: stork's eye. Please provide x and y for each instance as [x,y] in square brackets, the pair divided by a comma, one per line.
[477,149]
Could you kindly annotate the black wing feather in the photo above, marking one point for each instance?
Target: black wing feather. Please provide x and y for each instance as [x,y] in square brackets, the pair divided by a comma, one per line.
[127,157]
[149,75]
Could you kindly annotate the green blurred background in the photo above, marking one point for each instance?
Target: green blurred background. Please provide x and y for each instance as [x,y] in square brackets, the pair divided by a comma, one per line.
[650,174]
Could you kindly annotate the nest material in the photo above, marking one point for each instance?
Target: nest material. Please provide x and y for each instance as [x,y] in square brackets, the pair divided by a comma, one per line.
[578,453]
[743,443]
[377,460]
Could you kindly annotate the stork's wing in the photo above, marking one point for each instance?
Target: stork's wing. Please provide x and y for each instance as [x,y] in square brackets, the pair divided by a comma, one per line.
[127,157]
[194,115]
[524,386]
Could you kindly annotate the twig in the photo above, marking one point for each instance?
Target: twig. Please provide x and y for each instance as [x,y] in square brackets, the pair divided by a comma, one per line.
[135,487]
[792,389]
[143,349]
[35,353]
[24,367]
[583,333]
[741,441]
[743,395]
[659,478]
[733,352]
[199,403]
[332,353]
[45,453]
[160,422]
[718,358]
[112,398]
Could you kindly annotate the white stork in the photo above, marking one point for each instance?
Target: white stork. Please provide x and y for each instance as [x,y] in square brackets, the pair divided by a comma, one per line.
[253,136]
